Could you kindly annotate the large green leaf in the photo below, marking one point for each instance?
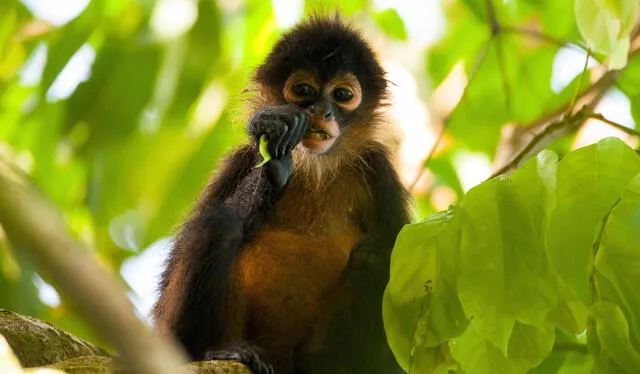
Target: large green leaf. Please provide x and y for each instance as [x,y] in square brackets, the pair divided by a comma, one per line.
[527,347]
[390,22]
[462,42]
[507,254]
[420,307]
[200,59]
[504,274]
[121,83]
[629,84]
[618,257]
[606,25]
[616,353]
[589,181]
[66,43]
[510,85]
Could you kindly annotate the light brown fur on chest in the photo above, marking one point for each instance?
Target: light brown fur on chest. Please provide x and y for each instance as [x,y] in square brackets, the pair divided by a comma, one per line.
[288,272]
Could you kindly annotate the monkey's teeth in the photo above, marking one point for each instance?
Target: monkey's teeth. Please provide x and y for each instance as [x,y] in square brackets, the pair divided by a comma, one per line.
[318,135]
[315,133]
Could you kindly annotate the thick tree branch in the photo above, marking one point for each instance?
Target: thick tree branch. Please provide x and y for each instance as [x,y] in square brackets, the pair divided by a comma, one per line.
[33,226]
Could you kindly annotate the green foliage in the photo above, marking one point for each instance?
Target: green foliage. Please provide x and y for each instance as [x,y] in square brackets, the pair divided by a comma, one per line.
[522,263]
[503,282]
[606,25]
[391,23]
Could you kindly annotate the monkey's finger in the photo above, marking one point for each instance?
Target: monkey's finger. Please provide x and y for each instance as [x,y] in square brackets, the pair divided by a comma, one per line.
[285,145]
[301,129]
[275,140]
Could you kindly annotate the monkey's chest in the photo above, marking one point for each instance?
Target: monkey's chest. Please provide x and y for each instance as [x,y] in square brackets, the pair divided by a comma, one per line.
[287,278]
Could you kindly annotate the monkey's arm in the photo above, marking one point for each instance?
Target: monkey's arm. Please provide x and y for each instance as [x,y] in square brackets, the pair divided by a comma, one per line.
[198,304]
[194,286]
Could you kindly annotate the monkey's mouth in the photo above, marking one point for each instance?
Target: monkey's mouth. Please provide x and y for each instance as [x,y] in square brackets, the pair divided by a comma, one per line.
[320,136]
[317,134]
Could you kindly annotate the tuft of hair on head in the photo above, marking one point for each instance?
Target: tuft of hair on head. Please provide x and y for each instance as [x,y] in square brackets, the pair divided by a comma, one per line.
[327,45]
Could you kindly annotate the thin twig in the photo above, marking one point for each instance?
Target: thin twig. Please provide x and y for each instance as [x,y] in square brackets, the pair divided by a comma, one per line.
[577,92]
[495,29]
[623,128]
[504,75]
[544,37]
[476,66]
[492,19]
[551,132]
[571,122]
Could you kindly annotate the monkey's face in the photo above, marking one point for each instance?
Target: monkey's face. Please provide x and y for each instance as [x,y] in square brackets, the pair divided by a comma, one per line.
[329,105]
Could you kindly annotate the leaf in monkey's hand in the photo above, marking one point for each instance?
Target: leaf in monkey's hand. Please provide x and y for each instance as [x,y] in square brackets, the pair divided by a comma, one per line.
[263,151]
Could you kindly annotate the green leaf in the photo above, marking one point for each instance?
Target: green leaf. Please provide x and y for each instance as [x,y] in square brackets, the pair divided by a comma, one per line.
[529,345]
[478,355]
[120,86]
[504,274]
[509,255]
[618,257]
[181,186]
[462,41]
[569,356]
[184,82]
[391,24]
[264,152]
[613,335]
[629,84]
[347,8]
[606,25]
[8,20]
[510,85]
[66,43]
[589,181]
[420,305]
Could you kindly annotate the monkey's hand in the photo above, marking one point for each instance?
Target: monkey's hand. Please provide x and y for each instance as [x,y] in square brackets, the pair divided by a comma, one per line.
[246,353]
[284,126]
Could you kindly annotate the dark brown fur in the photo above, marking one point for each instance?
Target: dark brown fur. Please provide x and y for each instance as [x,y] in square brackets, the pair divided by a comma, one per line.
[300,271]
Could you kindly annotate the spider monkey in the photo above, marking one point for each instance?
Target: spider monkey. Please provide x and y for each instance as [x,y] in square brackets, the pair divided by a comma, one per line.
[283,267]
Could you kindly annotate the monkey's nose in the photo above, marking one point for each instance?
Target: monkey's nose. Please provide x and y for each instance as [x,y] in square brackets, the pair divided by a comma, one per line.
[328,115]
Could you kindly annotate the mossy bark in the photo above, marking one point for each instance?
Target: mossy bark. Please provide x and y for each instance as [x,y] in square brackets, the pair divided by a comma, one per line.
[36,343]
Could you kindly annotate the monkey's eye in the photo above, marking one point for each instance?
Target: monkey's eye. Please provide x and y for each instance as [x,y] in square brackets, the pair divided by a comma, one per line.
[303,90]
[342,95]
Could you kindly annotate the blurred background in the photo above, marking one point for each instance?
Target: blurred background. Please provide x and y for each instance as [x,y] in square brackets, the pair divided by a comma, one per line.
[119,110]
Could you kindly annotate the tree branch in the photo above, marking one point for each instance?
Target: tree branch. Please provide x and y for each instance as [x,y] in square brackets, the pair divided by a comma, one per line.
[33,226]
[616,125]
[541,140]
[544,37]
[562,125]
